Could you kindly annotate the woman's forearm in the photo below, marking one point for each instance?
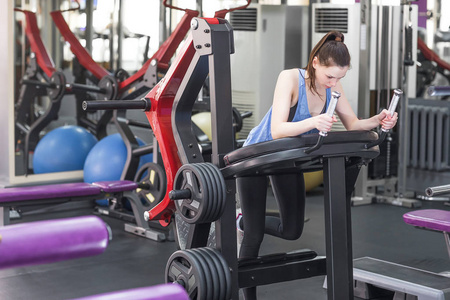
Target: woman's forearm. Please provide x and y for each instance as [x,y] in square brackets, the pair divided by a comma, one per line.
[365,124]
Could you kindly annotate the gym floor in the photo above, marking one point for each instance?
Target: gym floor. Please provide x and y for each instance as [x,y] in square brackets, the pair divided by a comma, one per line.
[131,261]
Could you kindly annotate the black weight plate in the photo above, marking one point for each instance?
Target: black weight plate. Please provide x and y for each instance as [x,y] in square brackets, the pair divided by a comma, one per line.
[222,189]
[185,267]
[212,192]
[189,177]
[153,175]
[219,279]
[58,80]
[211,278]
[222,193]
[121,74]
[217,190]
[109,84]
[209,205]
[216,255]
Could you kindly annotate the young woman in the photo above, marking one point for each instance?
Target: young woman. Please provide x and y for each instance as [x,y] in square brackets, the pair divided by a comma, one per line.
[300,100]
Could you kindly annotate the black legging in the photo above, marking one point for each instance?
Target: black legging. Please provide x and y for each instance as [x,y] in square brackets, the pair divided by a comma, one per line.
[289,192]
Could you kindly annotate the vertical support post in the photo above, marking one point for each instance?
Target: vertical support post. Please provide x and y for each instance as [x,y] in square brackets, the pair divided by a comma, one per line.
[89,34]
[447,242]
[223,143]
[404,120]
[362,183]
[338,231]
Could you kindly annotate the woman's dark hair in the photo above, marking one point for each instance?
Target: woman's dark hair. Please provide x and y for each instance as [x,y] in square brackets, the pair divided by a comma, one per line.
[331,51]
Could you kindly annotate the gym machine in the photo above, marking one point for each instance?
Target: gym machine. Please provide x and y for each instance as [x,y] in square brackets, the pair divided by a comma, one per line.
[127,87]
[389,35]
[202,193]
[157,186]
[42,79]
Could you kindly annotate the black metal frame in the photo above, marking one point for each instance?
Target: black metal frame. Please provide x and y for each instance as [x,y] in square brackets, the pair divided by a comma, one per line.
[214,44]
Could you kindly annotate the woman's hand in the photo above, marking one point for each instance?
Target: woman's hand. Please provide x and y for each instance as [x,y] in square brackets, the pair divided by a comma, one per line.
[323,122]
[386,120]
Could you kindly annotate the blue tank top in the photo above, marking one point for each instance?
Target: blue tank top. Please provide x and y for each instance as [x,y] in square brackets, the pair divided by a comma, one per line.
[262,132]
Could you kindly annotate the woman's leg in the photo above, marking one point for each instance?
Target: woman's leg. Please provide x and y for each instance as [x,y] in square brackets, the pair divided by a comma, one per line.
[351,175]
[252,194]
[289,192]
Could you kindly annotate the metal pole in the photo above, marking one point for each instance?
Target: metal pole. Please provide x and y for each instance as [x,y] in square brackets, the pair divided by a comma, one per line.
[379,54]
[120,35]
[89,24]
[200,7]
[403,132]
[362,184]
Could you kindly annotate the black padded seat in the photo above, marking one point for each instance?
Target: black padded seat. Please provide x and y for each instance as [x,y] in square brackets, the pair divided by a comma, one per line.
[287,154]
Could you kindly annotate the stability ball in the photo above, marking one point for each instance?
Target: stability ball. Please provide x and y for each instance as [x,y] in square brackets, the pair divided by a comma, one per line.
[203,121]
[63,149]
[107,159]
[313,180]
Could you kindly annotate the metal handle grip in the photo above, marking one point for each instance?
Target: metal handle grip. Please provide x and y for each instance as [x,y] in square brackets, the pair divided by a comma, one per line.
[85,88]
[331,107]
[330,111]
[393,104]
[437,190]
[116,104]
[392,108]
[38,83]
[439,90]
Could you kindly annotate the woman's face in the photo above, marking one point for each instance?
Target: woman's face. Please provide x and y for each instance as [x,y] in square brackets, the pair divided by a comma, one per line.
[327,77]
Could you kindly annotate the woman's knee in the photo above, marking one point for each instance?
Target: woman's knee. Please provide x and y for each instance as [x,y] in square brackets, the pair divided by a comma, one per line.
[293,233]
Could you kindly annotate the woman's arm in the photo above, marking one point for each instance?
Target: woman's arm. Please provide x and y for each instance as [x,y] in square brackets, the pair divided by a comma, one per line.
[351,121]
[286,96]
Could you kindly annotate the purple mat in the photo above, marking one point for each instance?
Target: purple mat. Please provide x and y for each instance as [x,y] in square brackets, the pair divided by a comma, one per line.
[116,186]
[51,241]
[64,190]
[434,219]
[167,291]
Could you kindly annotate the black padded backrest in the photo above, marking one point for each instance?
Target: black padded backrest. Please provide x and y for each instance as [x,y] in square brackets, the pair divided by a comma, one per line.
[302,141]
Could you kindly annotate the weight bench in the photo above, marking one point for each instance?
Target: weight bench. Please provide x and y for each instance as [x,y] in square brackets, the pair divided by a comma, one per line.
[79,191]
[372,275]
[157,292]
[431,219]
[52,241]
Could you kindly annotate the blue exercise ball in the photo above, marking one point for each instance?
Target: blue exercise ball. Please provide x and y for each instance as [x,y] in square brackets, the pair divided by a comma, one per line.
[107,159]
[63,149]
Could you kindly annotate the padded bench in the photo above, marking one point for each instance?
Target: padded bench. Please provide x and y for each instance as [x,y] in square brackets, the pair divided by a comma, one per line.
[432,219]
[51,241]
[168,291]
[78,191]
[30,194]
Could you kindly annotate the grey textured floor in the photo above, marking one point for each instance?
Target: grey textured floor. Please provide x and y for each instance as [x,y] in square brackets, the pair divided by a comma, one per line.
[131,261]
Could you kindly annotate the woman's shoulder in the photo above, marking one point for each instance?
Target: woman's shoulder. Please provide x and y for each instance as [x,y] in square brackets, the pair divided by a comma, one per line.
[289,74]
[293,71]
